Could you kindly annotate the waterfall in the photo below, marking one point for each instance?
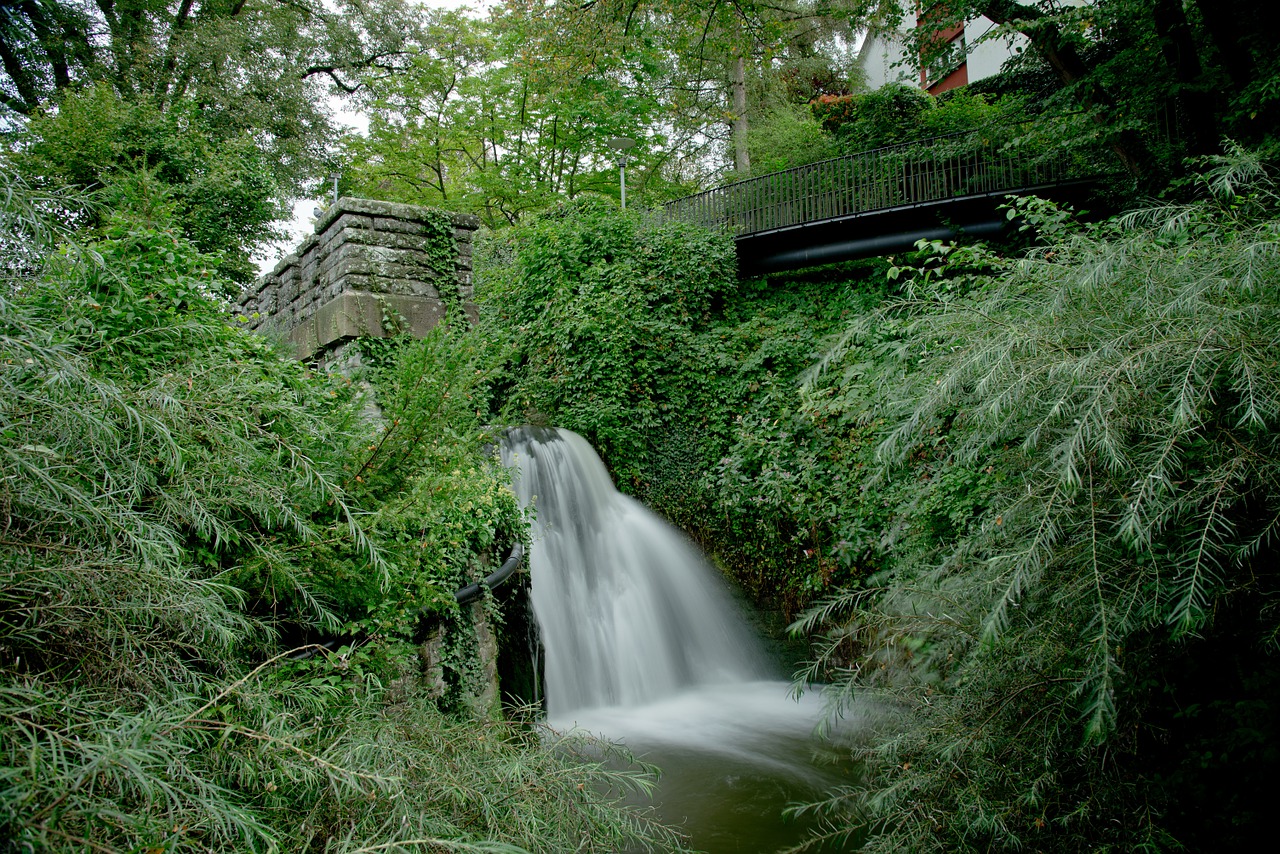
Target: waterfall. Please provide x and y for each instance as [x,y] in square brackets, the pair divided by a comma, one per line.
[645,645]
[630,611]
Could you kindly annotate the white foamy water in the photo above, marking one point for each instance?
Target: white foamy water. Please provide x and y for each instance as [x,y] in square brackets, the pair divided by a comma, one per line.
[629,610]
[643,641]
[645,645]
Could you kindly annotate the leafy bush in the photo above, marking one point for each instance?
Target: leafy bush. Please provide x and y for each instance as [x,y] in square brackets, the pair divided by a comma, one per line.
[888,115]
[176,498]
[599,309]
[965,122]
[213,183]
[1077,458]
[785,136]
[897,113]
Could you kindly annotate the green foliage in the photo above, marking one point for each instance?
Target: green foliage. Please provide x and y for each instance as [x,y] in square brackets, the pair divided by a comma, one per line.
[507,115]
[786,136]
[210,55]
[508,786]
[442,502]
[1075,457]
[172,166]
[634,333]
[439,244]
[175,498]
[482,122]
[886,116]
[599,309]
[321,759]
[767,482]
[898,113]
[132,411]
[1160,81]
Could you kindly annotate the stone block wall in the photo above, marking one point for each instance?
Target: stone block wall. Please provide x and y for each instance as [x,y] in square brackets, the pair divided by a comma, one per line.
[374,269]
[368,263]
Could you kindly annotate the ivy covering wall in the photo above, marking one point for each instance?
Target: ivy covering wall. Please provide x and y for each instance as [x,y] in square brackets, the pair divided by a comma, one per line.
[637,333]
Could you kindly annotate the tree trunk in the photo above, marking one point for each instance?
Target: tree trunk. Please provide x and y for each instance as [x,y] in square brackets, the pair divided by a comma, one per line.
[27,98]
[1224,29]
[1063,58]
[1200,120]
[738,85]
[1243,33]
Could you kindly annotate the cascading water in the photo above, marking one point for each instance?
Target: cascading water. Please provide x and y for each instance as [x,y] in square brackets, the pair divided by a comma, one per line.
[629,611]
[643,643]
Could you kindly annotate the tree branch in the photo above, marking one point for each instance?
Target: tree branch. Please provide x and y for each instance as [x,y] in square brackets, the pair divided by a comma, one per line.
[332,72]
[375,61]
[27,98]
[1062,56]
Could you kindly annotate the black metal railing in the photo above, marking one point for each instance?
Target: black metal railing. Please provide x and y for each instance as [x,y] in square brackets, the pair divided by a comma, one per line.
[929,170]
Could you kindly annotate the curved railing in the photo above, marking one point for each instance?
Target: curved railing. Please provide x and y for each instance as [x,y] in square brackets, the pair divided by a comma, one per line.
[914,173]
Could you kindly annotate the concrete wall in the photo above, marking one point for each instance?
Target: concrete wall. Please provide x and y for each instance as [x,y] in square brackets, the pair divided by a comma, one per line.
[884,59]
[986,57]
[368,262]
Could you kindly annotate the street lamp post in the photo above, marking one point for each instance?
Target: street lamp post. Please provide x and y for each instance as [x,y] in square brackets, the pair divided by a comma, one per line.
[622,145]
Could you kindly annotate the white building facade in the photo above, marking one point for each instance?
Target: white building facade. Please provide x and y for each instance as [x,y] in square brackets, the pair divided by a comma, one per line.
[973,54]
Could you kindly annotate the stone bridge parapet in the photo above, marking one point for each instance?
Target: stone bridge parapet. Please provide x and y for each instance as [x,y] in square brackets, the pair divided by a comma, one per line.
[371,269]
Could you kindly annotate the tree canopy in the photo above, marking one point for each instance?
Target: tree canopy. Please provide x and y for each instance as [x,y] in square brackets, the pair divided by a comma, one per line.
[225,104]
[1154,74]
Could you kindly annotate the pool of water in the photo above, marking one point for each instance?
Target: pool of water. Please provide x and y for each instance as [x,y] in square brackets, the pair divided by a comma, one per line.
[733,758]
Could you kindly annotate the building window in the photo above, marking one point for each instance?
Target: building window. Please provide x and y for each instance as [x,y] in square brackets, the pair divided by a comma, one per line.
[943,57]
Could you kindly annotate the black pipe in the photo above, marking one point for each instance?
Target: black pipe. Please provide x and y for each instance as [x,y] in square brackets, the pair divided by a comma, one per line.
[462,595]
[865,246]
[508,568]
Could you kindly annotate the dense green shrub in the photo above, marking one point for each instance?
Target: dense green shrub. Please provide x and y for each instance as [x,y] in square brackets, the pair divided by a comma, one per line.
[635,333]
[212,182]
[600,310]
[898,113]
[178,500]
[1075,474]
[888,115]
[964,122]
[786,135]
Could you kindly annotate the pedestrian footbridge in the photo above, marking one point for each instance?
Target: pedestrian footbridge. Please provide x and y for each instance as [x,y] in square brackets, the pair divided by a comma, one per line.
[884,200]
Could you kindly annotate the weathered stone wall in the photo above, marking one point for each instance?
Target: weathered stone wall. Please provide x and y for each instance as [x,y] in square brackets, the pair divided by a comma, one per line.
[369,266]
[374,269]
